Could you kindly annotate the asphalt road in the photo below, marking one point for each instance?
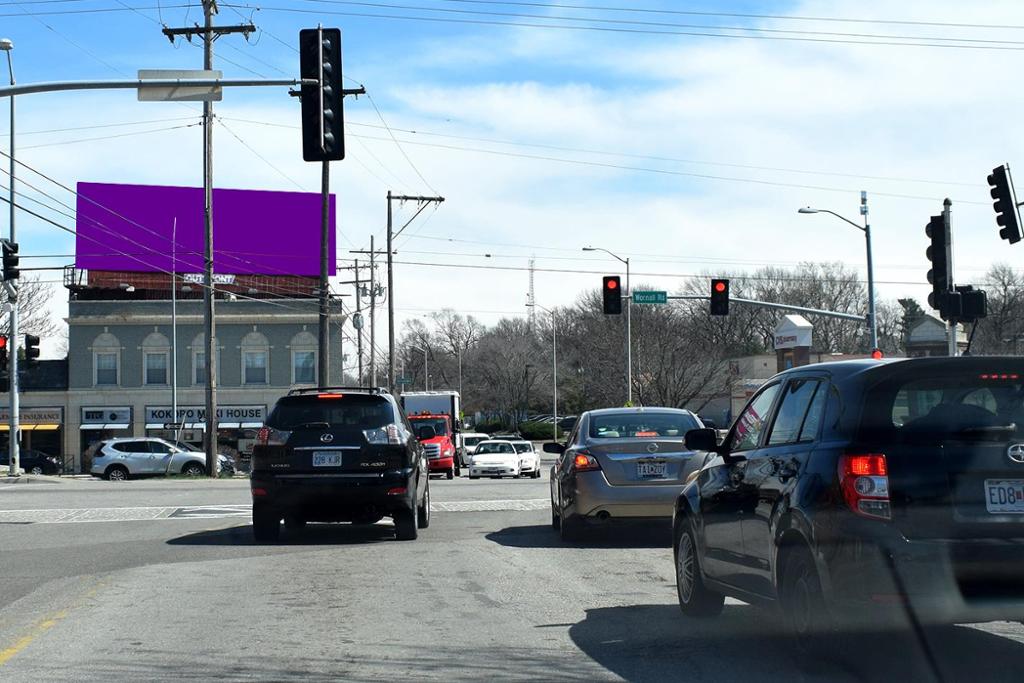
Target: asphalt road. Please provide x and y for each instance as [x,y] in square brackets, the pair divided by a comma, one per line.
[159,580]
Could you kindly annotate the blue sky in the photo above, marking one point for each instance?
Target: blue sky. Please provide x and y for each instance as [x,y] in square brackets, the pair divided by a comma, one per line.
[687,153]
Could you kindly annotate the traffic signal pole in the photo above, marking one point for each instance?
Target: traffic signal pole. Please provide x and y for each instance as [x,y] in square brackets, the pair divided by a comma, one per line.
[14,435]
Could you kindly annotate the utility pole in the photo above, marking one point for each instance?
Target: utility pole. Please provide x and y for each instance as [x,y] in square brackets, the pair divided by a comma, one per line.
[375,291]
[14,435]
[209,33]
[359,314]
[423,202]
[324,341]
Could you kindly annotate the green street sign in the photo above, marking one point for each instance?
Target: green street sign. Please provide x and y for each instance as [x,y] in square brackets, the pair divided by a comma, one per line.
[403,380]
[650,297]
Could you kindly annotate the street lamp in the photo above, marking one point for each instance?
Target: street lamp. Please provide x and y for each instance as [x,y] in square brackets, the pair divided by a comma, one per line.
[15,430]
[554,362]
[426,368]
[629,339]
[866,229]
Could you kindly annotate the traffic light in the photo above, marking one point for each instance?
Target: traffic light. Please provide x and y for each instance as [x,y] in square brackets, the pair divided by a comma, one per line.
[973,304]
[11,259]
[940,277]
[3,353]
[1005,204]
[323,125]
[719,297]
[31,349]
[612,293]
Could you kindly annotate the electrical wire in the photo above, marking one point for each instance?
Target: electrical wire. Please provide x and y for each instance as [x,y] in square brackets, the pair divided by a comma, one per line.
[121,124]
[77,141]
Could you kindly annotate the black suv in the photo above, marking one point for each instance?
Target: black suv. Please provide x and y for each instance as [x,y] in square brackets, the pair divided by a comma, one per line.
[338,455]
[863,494]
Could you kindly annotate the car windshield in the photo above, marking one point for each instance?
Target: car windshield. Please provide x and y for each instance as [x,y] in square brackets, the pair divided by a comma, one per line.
[352,411]
[485,448]
[439,424]
[641,425]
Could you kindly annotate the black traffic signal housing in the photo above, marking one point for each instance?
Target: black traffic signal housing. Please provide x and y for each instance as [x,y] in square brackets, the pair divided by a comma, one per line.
[611,292]
[1005,204]
[719,296]
[940,276]
[3,353]
[323,122]
[973,304]
[11,260]
[31,350]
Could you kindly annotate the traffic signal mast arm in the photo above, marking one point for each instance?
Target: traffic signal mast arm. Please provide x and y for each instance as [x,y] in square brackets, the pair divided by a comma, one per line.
[784,307]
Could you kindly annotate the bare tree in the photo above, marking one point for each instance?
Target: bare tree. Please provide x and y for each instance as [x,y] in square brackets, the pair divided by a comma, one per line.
[34,298]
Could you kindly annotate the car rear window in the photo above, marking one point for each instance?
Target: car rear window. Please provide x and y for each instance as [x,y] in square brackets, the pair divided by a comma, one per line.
[642,425]
[494,448]
[965,404]
[351,410]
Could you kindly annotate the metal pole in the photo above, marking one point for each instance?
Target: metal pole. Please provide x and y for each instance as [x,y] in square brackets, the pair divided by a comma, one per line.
[391,306]
[373,316]
[14,458]
[629,339]
[174,330]
[554,370]
[324,345]
[871,272]
[359,332]
[426,372]
[947,211]
[460,370]
[208,308]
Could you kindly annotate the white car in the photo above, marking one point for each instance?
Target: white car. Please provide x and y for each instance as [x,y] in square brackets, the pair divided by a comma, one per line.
[495,459]
[469,442]
[119,459]
[529,459]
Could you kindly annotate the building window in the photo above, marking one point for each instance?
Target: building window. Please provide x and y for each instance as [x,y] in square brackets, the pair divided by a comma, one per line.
[156,367]
[254,367]
[303,367]
[106,368]
[199,365]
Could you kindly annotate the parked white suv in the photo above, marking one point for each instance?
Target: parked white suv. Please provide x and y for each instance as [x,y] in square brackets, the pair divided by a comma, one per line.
[118,459]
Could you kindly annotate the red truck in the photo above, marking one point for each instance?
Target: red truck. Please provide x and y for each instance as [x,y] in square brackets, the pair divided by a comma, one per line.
[438,410]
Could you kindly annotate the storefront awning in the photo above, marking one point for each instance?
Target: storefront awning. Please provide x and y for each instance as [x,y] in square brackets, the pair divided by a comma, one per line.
[229,425]
[251,425]
[108,425]
[5,427]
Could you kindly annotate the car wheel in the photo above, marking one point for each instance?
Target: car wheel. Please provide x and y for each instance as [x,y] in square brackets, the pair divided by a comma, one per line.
[266,525]
[423,511]
[536,474]
[803,604]
[405,526]
[193,469]
[695,600]
[451,474]
[473,477]
[116,473]
[36,470]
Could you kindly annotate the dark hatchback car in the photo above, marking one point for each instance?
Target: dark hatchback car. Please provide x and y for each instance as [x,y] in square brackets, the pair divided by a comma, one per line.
[864,494]
[338,455]
[33,462]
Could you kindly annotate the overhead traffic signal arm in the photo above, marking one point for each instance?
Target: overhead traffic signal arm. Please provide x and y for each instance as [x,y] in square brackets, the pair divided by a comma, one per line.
[1005,204]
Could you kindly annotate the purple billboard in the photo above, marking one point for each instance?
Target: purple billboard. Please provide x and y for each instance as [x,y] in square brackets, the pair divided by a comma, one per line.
[152,228]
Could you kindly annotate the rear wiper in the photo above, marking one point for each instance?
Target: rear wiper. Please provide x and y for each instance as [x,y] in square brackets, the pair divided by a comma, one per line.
[311,425]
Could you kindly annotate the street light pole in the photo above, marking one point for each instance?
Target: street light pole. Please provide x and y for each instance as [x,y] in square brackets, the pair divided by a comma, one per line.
[14,441]
[426,367]
[554,363]
[629,333]
[866,229]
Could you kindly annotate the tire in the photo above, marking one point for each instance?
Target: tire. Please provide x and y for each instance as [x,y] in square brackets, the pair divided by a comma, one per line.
[423,511]
[536,474]
[450,474]
[802,600]
[473,477]
[695,600]
[116,473]
[266,525]
[405,526]
[36,470]
[193,469]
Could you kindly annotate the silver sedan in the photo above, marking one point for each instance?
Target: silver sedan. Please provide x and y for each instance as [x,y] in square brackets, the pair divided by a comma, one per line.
[620,464]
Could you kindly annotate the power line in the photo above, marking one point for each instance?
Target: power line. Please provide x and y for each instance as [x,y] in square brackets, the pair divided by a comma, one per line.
[94,126]
[110,137]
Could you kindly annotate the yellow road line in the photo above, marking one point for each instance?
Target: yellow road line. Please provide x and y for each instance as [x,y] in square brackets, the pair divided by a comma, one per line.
[39,629]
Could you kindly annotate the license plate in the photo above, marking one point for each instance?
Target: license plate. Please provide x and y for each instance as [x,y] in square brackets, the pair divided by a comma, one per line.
[647,470]
[326,459]
[1004,496]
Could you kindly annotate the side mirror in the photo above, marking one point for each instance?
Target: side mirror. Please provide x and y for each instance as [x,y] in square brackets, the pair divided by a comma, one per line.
[554,448]
[702,440]
[426,433]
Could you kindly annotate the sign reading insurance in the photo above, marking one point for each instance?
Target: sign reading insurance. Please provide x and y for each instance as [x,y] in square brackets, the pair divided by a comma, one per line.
[152,228]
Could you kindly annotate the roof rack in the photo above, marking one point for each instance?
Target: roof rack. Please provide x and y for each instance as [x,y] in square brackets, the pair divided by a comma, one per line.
[320,390]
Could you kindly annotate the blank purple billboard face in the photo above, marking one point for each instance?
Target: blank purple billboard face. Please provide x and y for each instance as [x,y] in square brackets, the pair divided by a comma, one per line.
[151,228]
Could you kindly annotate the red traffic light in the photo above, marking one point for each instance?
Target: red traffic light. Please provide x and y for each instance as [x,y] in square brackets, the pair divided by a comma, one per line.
[877,354]
[719,286]
[611,284]
[3,342]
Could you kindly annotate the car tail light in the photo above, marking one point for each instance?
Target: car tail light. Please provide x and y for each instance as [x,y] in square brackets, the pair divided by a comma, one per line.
[585,462]
[397,491]
[864,480]
[330,396]
[268,436]
[259,492]
[388,435]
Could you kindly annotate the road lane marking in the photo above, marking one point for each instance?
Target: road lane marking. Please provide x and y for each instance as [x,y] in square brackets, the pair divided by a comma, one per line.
[153,513]
[39,629]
